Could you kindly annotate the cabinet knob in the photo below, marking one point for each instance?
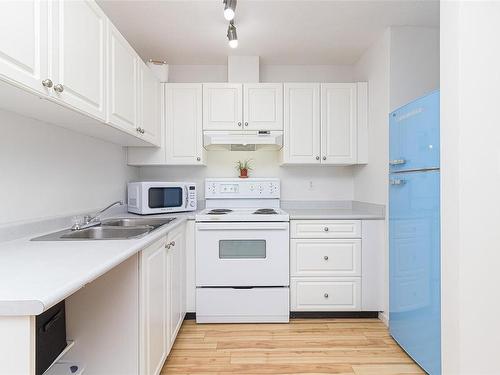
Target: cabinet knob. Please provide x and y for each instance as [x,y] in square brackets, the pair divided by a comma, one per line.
[47,83]
[324,157]
[246,123]
[59,88]
[143,131]
[326,229]
[325,257]
[198,158]
[325,295]
[239,123]
[170,244]
[317,157]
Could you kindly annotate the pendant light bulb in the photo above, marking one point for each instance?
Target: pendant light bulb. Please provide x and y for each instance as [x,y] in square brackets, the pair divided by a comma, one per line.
[232,37]
[229,9]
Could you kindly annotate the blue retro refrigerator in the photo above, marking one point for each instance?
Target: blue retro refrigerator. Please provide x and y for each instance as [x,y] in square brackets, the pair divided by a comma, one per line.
[414,231]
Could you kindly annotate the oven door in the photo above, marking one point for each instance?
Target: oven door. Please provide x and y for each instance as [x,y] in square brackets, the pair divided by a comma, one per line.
[242,254]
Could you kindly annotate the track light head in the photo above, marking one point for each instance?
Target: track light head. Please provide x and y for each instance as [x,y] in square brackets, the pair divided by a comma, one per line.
[232,36]
[229,9]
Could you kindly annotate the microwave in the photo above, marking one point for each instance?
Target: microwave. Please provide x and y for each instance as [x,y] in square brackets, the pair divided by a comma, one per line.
[146,198]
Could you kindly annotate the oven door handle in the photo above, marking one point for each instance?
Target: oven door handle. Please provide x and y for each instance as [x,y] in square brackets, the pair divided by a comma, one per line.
[242,226]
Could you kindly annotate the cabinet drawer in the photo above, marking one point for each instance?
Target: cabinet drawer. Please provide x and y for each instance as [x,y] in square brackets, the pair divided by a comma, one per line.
[333,294]
[325,257]
[325,228]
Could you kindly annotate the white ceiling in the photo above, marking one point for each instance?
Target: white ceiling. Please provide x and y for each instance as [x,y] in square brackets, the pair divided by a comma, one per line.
[280,32]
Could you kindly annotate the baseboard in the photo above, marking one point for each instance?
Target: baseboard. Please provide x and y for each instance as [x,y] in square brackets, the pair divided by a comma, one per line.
[333,314]
[190,316]
[322,314]
[384,317]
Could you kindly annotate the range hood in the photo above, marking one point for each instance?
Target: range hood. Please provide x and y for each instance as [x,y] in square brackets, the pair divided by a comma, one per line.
[247,140]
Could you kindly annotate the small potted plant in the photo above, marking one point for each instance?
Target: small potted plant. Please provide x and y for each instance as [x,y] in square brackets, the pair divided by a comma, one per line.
[243,167]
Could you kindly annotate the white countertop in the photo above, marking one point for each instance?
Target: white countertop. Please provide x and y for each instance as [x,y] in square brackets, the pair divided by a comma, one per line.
[36,275]
[331,210]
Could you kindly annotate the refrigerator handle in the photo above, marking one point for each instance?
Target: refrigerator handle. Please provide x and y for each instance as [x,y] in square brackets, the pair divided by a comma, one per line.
[397,181]
[397,162]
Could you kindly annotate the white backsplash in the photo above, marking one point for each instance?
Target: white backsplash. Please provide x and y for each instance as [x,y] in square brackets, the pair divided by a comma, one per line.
[297,182]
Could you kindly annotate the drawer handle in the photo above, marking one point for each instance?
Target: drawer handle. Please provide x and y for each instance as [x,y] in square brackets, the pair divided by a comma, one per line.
[326,229]
[325,257]
[325,295]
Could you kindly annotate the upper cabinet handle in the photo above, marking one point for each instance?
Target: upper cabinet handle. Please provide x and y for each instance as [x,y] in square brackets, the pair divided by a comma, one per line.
[317,157]
[59,88]
[239,123]
[47,83]
[246,123]
[324,157]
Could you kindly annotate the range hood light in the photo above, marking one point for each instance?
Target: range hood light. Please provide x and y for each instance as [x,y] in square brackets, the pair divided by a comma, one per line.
[229,9]
[232,36]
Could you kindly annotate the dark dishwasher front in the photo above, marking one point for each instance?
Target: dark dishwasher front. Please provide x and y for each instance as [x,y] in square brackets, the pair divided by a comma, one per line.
[50,336]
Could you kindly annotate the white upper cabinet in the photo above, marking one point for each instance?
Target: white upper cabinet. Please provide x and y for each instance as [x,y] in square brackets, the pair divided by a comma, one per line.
[183,124]
[302,123]
[338,123]
[122,82]
[263,106]
[325,123]
[149,105]
[24,44]
[222,106]
[79,53]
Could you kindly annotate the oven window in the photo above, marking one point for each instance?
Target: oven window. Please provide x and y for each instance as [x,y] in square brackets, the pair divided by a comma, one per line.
[165,197]
[242,249]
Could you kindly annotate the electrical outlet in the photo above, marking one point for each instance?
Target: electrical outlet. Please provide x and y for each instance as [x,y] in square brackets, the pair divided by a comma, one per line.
[310,186]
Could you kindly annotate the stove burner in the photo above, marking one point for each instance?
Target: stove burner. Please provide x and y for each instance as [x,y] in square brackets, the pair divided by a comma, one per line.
[219,211]
[265,211]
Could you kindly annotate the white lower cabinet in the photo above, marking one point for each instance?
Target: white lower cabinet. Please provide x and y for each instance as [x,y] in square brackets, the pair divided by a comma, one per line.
[153,308]
[325,294]
[336,265]
[162,301]
[176,274]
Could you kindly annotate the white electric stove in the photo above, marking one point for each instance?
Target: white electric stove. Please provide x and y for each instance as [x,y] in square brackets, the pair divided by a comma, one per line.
[242,253]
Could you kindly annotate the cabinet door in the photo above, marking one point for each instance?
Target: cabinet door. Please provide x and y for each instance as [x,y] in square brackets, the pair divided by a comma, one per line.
[222,106]
[153,292]
[122,82]
[263,106]
[302,123]
[78,61]
[177,284]
[338,123]
[183,122]
[149,105]
[23,43]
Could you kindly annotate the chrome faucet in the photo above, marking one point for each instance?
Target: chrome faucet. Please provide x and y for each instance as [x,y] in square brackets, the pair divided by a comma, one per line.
[93,220]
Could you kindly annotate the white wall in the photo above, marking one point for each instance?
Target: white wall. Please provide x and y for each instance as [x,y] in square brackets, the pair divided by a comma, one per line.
[298,183]
[48,171]
[470,165]
[414,63]
[370,181]
[328,183]
[268,73]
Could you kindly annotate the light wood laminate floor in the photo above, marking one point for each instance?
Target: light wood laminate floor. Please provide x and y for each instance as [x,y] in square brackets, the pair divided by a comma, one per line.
[305,346]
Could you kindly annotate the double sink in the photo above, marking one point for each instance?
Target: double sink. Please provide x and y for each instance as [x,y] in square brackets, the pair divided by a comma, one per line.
[110,229]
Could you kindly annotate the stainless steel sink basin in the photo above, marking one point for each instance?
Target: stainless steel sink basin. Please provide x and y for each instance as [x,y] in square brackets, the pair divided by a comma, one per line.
[110,229]
[107,233]
[137,222]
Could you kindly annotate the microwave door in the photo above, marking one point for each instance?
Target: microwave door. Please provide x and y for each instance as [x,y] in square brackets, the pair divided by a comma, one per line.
[165,197]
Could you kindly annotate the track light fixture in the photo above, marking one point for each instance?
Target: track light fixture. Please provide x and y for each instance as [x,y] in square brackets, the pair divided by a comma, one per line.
[232,36]
[229,9]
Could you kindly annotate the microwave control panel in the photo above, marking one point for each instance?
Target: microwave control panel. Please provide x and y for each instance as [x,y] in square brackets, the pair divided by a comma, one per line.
[227,188]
